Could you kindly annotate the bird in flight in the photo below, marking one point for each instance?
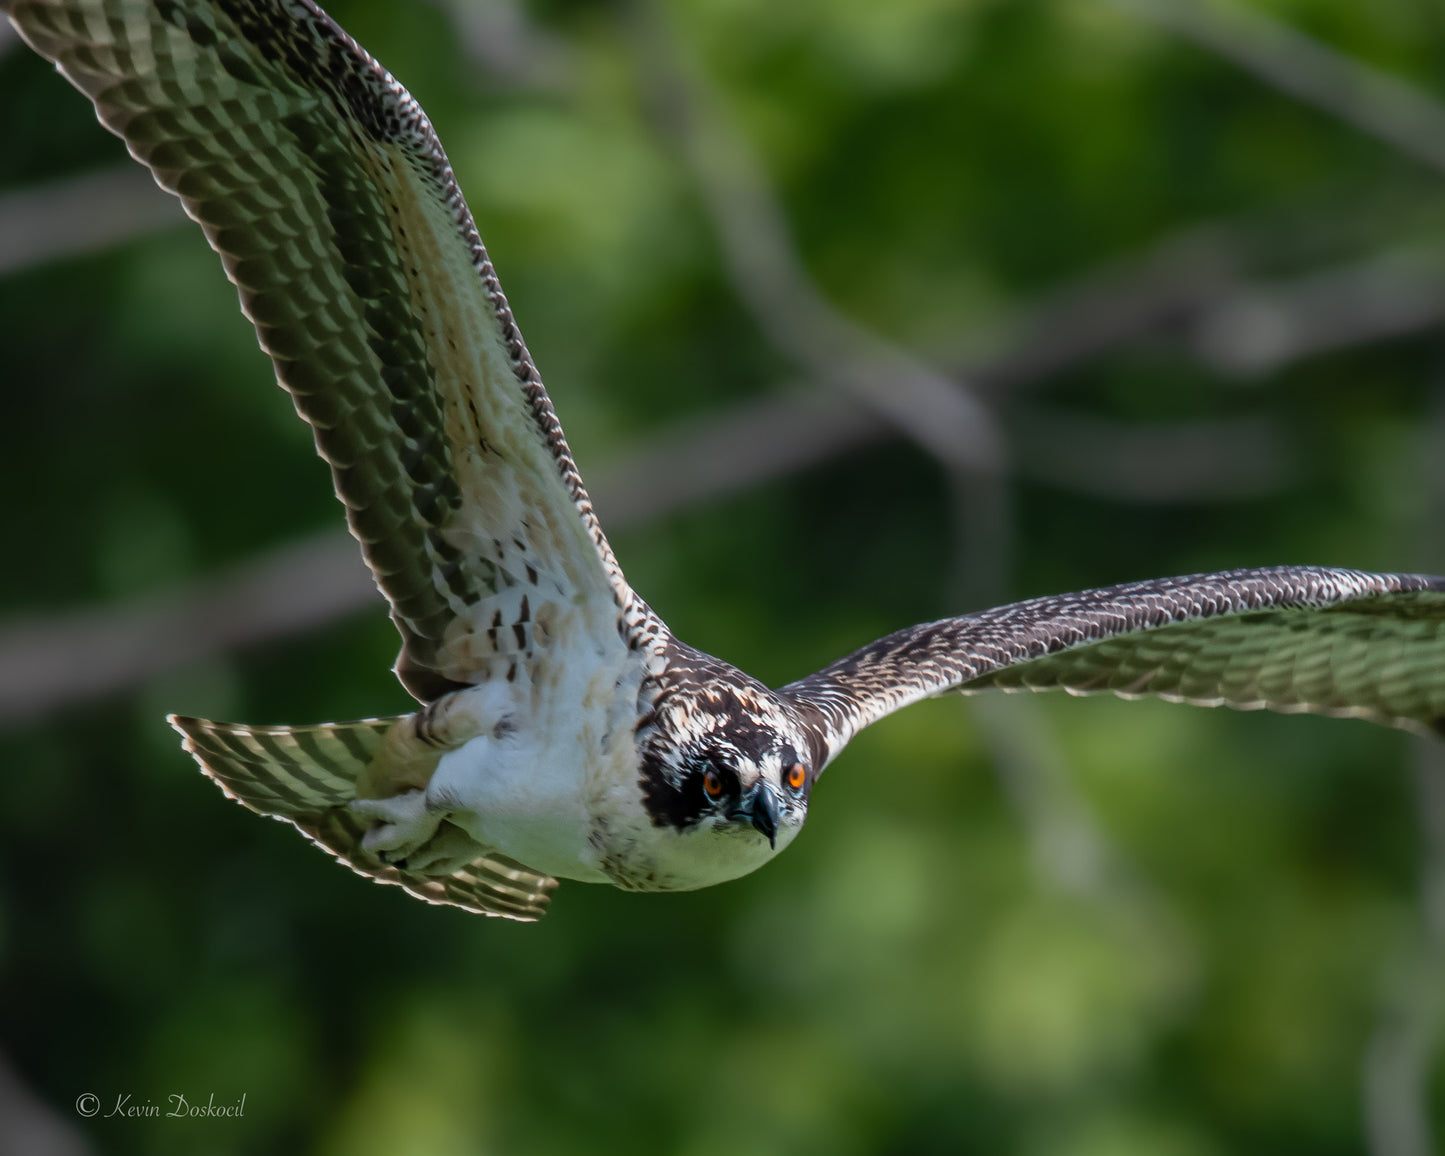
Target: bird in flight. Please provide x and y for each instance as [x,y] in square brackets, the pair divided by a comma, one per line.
[563,731]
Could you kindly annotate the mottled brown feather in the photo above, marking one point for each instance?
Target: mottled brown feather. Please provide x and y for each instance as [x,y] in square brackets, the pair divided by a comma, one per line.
[1290,638]
[321,184]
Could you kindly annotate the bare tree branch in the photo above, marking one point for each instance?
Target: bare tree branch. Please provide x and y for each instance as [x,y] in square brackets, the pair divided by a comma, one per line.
[1376,103]
[1261,328]
[81,215]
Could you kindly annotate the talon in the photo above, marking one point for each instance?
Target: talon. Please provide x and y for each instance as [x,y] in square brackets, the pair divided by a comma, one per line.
[449,850]
[403,824]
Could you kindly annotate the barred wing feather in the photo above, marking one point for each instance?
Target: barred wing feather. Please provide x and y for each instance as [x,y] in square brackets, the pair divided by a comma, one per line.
[1336,642]
[306,775]
[321,184]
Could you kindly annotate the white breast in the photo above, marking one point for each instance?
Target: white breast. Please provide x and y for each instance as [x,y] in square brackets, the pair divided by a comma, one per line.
[554,741]
[553,781]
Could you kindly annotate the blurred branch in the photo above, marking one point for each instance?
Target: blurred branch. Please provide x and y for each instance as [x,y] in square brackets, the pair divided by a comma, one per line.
[771,280]
[47,663]
[1070,850]
[81,215]
[1261,328]
[1376,103]
[1167,283]
[1156,463]
[721,453]
[1407,1038]
[1430,788]
[1209,282]
[27,1125]
[89,213]
[1408,1034]
[51,662]
[510,50]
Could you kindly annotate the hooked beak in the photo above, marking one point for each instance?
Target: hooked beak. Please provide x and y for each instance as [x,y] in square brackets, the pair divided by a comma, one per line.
[760,807]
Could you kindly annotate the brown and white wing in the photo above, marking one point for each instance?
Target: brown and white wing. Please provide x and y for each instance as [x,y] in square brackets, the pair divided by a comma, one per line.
[1290,638]
[322,186]
[306,776]
[491,884]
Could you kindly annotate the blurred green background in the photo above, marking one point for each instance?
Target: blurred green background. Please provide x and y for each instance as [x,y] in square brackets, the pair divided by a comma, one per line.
[1205,318]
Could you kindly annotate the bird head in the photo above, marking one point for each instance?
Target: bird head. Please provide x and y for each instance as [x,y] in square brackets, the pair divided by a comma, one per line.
[726,766]
[733,789]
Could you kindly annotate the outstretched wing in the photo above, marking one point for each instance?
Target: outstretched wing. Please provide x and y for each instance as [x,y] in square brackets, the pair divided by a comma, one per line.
[319,181]
[306,776]
[1290,638]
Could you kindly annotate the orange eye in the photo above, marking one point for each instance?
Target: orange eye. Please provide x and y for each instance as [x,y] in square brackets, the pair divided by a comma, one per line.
[797,776]
[712,784]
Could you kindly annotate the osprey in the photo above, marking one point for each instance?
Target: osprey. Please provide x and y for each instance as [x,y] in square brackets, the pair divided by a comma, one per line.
[563,731]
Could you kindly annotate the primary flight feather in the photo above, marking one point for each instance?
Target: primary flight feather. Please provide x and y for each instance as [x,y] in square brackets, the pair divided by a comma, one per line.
[564,732]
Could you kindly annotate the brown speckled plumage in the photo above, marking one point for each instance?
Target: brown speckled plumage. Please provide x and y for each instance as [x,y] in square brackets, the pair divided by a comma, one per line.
[1287,638]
